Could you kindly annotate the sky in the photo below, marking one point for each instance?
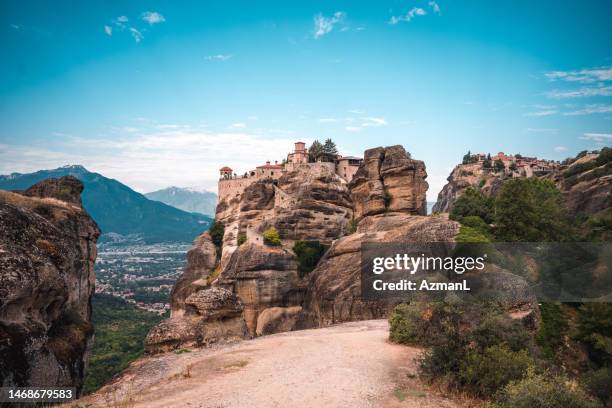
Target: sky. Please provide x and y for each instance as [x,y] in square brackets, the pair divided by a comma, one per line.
[161,93]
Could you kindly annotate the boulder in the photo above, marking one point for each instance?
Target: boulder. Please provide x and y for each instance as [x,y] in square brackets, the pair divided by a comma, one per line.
[212,315]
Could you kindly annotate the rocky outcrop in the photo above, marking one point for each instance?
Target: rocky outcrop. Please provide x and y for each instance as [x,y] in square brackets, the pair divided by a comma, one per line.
[47,255]
[586,187]
[587,191]
[310,202]
[263,277]
[389,181]
[201,262]
[211,315]
[334,289]
[462,177]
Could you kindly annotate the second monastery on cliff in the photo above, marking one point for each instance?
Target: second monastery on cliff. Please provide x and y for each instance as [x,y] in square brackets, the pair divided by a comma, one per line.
[232,184]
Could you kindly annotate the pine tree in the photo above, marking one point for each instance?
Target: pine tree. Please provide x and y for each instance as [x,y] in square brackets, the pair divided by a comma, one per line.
[330,151]
[315,151]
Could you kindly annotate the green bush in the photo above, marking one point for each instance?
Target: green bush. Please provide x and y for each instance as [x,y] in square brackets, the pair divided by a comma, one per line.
[459,332]
[474,221]
[530,210]
[352,227]
[483,373]
[599,384]
[271,237]
[408,324]
[308,254]
[216,231]
[469,234]
[472,202]
[242,238]
[544,391]
[552,326]
[595,330]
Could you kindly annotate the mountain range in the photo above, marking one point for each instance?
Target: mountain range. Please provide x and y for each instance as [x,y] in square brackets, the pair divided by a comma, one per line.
[187,199]
[120,212]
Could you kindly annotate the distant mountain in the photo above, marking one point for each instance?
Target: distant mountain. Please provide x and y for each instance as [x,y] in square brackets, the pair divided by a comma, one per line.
[119,210]
[187,199]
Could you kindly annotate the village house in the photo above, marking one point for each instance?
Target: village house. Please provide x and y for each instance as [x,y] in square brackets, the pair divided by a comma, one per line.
[523,166]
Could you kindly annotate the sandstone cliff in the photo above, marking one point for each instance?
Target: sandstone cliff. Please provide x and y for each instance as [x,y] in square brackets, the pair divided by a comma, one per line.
[311,202]
[586,186]
[47,255]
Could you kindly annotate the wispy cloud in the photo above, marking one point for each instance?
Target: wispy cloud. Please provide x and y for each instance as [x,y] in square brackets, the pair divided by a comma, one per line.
[219,57]
[587,75]
[589,110]
[541,113]
[136,34]
[152,17]
[434,6]
[560,149]
[598,137]
[108,30]
[328,120]
[541,130]
[358,124]
[238,125]
[581,93]
[324,25]
[412,13]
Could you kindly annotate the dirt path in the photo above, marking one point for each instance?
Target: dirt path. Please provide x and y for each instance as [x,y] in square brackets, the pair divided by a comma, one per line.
[348,365]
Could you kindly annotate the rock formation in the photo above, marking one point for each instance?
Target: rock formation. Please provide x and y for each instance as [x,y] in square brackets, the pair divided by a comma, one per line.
[47,255]
[389,181]
[586,191]
[310,202]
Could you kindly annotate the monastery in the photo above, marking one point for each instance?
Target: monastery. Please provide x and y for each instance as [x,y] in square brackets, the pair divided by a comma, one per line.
[231,184]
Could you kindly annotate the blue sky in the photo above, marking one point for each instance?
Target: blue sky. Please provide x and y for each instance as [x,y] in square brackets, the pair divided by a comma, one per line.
[164,93]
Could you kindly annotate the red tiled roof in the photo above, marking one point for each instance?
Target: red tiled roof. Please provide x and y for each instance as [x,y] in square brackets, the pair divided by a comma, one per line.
[225,168]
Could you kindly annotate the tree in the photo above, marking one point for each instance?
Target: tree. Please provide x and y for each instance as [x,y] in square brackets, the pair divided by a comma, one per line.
[530,210]
[315,151]
[330,151]
[467,158]
[499,165]
[472,203]
[513,166]
[271,237]
[216,231]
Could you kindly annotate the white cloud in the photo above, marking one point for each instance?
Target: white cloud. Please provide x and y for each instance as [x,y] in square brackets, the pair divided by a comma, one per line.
[238,125]
[108,30]
[152,17]
[560,149]
[581,93]
[412,13]
[589,110]
[587,75]
[598,137]
[541,130]
[324,25]
[374,122]
[542,113]
[137,35]
[352,128]
[434,6]
[153,159]
[328,120]
[219,57]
